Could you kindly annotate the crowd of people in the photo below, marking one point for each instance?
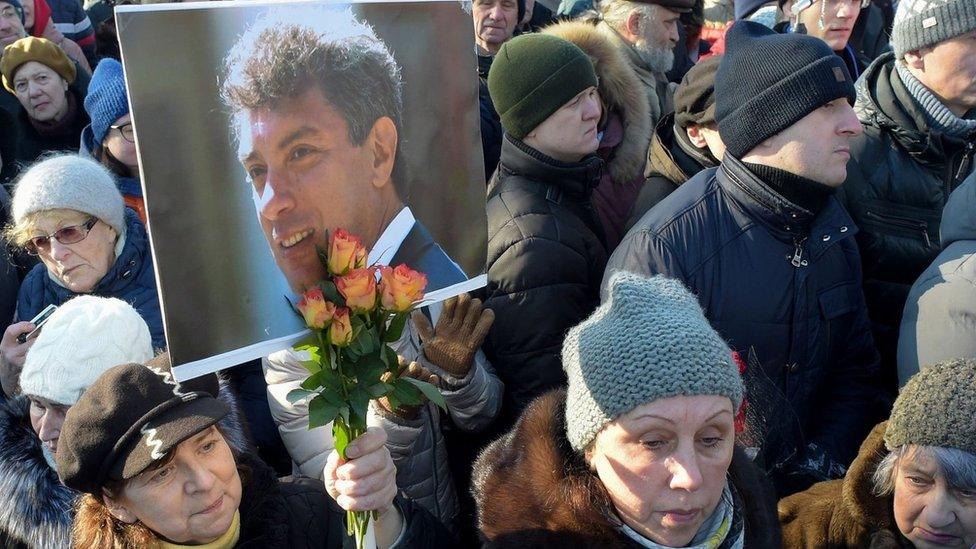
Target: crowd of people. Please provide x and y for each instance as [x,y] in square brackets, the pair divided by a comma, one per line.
[729,303]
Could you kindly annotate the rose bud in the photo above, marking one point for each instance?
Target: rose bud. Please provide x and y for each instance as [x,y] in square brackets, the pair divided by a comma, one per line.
[345,252]
[359,289]
[401,287]
[316,310]
[341,330]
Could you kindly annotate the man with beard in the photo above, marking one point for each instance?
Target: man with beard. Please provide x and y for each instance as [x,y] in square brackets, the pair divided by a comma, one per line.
[646,32]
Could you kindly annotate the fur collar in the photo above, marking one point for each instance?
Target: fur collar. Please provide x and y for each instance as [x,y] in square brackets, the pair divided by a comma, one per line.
[622,93]
[532,490]
[33,502]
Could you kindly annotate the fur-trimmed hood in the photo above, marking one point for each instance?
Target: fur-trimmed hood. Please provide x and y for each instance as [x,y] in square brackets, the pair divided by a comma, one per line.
[622,93]
[532,490]
[36,510]
[844,512]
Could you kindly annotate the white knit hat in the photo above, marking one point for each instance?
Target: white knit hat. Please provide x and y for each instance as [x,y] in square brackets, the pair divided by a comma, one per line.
[83,338]
[72,182]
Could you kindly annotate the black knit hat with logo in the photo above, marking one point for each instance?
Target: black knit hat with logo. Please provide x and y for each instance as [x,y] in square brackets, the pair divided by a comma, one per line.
[766,82]
[132,416]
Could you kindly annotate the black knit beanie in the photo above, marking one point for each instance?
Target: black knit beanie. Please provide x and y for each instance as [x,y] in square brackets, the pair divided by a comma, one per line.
[532,76]
[768,81]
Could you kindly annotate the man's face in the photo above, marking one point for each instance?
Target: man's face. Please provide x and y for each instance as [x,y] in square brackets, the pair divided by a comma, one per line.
[494,22]
[309,178]
[818,145]
[656,38]
[41,91]
[839,17]
[11,27]
[571,132]
[949,70]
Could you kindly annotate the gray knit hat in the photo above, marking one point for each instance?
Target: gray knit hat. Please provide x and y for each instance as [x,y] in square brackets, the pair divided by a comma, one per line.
[937,407]
[649,340]
[71,182]
[921,23]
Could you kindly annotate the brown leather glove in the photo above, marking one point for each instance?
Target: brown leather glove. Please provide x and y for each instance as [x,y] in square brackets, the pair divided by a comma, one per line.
[461,329]
[415,371]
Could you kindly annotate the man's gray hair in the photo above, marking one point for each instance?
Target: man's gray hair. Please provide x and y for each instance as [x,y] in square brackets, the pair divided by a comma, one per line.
[957,466]
[285,52]
[616,12]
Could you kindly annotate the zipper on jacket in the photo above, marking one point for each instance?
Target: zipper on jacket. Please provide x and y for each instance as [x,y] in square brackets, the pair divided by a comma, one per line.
[964,164]
[797,260]
[904,223]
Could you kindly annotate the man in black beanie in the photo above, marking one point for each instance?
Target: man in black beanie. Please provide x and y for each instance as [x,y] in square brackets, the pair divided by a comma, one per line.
[769,251]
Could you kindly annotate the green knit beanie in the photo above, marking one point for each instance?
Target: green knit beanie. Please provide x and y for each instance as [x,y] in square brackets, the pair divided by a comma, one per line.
[532,76]
[937,407]
[649,340]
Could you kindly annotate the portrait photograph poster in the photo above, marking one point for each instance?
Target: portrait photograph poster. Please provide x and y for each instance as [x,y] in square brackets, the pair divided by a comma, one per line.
[235,197]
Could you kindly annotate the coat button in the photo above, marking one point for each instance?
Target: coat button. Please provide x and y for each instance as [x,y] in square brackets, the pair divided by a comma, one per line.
[794,368]
[843,229]
[804,263]
[826,238]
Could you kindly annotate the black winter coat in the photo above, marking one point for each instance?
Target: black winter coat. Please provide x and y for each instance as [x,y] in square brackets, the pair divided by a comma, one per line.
[776,280]
[545,260]
[898,180]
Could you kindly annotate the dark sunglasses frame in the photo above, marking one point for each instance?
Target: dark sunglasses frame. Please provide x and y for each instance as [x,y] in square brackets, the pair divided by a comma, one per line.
[42,243]
[122,132]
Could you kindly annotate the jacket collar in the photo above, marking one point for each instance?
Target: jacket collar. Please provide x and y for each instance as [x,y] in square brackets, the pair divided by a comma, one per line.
[672,156]
[785,219]
[576,179]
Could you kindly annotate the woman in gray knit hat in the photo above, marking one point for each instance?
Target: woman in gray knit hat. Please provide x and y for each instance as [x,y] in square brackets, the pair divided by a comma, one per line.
[913,483]
[68,212]
[640,450]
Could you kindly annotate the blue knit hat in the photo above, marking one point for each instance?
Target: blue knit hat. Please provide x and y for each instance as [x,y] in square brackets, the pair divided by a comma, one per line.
[649,340]
[106,102]
[768,81]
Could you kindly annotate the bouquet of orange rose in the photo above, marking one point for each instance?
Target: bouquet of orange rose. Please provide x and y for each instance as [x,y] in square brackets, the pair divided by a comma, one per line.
[354,314]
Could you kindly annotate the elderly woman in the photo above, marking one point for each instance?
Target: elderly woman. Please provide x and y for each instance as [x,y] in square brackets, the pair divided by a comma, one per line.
[110,138]
[68,212]
[44,81]
[157,471]
[913,483]
[84,337]
[640,450]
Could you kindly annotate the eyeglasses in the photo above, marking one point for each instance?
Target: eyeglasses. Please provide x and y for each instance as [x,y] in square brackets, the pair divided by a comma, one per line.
[126,131]
[10,12]
[65,235]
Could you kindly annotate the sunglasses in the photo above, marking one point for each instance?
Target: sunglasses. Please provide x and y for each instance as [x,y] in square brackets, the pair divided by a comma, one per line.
[65,235]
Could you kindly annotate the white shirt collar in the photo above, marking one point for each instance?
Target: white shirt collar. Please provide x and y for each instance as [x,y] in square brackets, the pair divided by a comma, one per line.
[392,238]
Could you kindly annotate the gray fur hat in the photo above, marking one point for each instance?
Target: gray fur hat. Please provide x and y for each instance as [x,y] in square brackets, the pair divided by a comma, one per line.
[922,23]
[649,340]
[71,182]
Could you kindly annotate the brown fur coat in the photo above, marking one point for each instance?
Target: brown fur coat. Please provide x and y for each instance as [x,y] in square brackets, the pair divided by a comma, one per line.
[844,512]
[532,490]
[621,91]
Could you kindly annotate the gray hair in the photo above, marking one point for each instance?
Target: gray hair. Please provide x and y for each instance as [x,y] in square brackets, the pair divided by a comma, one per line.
[616,12]
[957,466]
[284,52]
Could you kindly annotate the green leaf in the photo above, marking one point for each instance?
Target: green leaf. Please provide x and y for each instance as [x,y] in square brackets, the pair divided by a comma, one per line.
[429,391]
[406,393]
[332,397]
[341,434]
[296,395]
[395,329]
[320,412]
[368,369]
[312,366]
[391,359]
[359,401]
[379,390]
[332,294]
[313,381]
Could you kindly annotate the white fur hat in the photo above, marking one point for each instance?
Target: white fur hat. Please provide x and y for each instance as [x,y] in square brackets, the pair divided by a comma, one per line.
[83,338]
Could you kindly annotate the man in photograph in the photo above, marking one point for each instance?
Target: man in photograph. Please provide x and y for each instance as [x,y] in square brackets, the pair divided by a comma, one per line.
[318,108]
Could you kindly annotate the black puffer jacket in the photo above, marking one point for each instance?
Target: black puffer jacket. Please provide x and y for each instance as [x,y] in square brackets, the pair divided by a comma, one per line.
[898,181]
[545,261]
[774,279]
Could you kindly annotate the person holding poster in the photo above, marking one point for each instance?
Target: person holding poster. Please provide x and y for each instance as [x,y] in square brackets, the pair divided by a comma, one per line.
[318,111]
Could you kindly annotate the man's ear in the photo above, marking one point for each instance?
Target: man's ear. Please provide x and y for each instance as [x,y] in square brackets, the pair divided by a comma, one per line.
[116,509]
[382,141]
[634,22]
[914,60]
[696,137]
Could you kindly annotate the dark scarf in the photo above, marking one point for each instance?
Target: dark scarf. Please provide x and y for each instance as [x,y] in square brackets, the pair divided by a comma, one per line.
[805,193]
[66,125]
